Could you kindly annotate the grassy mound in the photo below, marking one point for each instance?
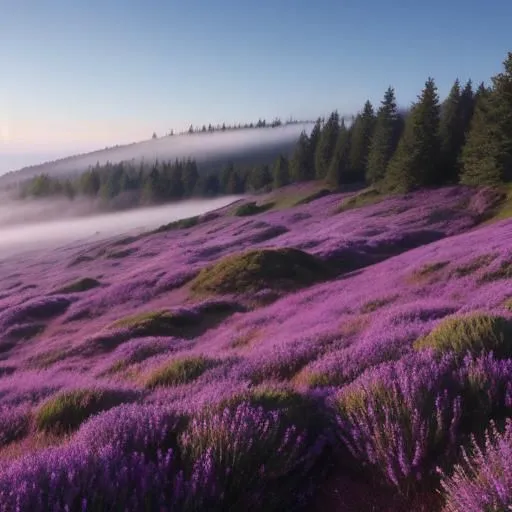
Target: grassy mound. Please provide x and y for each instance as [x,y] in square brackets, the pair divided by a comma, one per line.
[261,269]
[66,411]
[364,198]
[473,333]
[313,197]
[252,208]
[156,323]
[189,222]
[80,285]
[179,371]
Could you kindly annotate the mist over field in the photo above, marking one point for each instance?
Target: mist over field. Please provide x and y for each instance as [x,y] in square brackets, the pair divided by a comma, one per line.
[20,231]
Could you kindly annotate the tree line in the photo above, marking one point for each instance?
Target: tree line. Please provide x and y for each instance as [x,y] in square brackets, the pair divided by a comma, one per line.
[465,139]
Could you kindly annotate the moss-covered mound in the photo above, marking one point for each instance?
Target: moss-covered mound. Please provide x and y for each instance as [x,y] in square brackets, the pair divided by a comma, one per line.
[255,270]
[179,371]
[472,333]
[252,208]
[156,323]
[80,285]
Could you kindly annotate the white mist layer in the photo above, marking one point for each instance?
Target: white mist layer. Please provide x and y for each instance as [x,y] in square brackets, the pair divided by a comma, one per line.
[38,236]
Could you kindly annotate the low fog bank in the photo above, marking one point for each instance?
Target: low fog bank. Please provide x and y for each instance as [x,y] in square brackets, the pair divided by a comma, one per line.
[199,146]
[37,236]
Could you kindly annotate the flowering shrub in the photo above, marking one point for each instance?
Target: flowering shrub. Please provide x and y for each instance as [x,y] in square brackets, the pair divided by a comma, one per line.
[400,418]
[253,456]
[483,480]
[474,333]
[179,371]
[14,424]
[67,410]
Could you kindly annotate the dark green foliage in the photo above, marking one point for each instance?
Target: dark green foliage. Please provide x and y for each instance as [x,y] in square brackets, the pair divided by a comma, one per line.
[252,209]
[301,168]
[80,285]
[360,139]
[178,224]
[452,135]
[259,269]
[473,333]
[314,138]
[339,169]
[68,410]
[313,197]
[504,271]
[179,371]
[281,172]
[487,156]
[326,145]
[260,177]
[415,162]
[385,138]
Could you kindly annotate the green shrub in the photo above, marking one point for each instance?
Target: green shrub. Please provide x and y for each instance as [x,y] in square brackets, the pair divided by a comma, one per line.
[155,323]
[252,208]
[428,270]
[313,197]
[177,224]
[255,270]
[80,285]
[364,198]
[68,410]
[179,371]
[473,333]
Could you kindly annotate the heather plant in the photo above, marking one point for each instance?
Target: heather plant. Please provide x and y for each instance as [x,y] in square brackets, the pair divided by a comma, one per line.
[179,371]
[147,429]
[67,410]
[261,269]
[474,333]
[257,464]
[375,304]
[474,265]
[80,285]
[483,479]
[504,271]
[401,419]
[428,270]
[14,424]
[74,478]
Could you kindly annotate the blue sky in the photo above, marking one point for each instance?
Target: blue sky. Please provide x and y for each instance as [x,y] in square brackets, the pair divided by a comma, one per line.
[78,75]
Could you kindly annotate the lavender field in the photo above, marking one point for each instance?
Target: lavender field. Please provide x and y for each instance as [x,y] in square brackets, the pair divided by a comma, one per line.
[339,355]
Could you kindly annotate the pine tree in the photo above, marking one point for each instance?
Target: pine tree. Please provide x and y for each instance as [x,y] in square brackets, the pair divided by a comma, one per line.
[451,133]
[361,134]
[190,178]
[467,105]
[339,168]
[487,155]
[385,138]
[280,172]
[235,184]
[326,145]
[260,177]
[300,164]
[415,162]
[225,177]
[314,138]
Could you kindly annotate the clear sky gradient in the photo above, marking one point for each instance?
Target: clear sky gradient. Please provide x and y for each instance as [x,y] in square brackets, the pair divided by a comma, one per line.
[78,75]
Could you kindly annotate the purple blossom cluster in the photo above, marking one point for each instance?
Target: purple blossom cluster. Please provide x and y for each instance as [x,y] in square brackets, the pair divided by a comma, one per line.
[483,479]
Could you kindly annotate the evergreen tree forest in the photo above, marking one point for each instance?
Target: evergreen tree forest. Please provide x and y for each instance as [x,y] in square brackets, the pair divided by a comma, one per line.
[466,138]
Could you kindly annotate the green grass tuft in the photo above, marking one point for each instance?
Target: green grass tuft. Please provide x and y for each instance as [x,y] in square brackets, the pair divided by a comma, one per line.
[66,411]
[252,208]
[155,323]
[375,304]
[473,333]
[80,285]
[313,197]
[366,197]
[427,271]
[179,371]
[255,270]
[190,222]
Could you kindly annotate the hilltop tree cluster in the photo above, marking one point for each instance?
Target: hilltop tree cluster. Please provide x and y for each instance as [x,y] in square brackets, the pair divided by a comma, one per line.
[465,139]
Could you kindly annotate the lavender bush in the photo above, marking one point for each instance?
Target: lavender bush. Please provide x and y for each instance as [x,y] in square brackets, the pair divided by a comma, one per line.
[483,480]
